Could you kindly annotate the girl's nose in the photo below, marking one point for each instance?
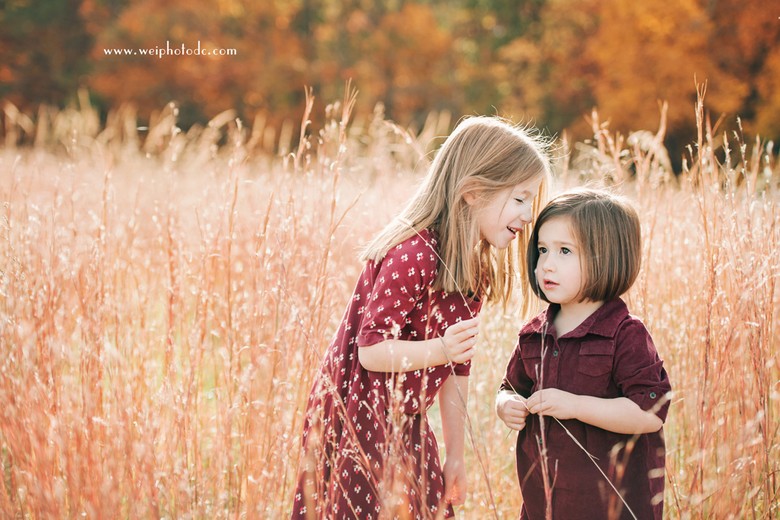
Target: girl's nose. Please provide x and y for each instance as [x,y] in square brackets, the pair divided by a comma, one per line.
[527,216]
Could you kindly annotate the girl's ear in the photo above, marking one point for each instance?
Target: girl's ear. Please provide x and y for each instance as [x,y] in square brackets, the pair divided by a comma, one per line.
[470,197]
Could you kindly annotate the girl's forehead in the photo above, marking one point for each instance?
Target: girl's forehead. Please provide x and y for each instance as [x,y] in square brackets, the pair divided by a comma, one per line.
[530,185]
[557,226]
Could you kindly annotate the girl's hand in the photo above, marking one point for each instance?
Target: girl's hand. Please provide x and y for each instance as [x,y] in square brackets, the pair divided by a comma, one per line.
[511,408]
[455,484]
[553,402]
[460,339]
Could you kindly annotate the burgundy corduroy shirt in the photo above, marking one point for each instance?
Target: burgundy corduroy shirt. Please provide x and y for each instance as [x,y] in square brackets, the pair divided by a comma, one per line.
[610,355]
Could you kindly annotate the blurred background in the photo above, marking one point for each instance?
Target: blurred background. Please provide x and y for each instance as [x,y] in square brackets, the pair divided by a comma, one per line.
[549,62]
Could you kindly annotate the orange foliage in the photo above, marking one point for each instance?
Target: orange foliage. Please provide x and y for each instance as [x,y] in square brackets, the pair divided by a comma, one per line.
[550,61]
[646,52]
[626,58]
[407,65]
[266,57]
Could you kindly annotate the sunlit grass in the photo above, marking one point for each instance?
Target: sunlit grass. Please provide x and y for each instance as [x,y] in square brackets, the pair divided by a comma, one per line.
[165,298]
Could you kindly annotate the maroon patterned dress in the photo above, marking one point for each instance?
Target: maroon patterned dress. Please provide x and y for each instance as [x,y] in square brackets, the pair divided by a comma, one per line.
[368,450]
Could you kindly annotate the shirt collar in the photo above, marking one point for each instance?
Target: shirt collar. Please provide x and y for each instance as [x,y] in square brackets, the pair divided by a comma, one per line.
[603,322]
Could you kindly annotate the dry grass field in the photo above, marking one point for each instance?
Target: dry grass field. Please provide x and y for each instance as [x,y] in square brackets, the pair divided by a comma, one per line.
[165,297]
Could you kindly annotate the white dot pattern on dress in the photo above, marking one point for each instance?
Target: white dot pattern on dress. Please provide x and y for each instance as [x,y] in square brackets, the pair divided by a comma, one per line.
[366,434]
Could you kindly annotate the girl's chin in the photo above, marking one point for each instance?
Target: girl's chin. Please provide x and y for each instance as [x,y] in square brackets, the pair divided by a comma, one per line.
[502,242]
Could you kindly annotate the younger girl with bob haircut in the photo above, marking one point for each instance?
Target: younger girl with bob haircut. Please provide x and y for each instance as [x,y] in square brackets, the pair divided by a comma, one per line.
[410,329]
[589,364]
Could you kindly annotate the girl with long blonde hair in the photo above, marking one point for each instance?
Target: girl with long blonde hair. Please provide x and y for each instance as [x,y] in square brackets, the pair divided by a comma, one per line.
[410,331]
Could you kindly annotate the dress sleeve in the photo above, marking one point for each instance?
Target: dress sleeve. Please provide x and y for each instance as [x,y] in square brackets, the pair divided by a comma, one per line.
[639,371]
[403,278]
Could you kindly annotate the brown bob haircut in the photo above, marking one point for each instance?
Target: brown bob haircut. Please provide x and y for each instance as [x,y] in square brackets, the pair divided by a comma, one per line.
[607,230]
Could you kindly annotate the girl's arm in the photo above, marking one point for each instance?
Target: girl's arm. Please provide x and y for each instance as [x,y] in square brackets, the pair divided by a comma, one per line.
[453,399]
[619,415]
[394,355]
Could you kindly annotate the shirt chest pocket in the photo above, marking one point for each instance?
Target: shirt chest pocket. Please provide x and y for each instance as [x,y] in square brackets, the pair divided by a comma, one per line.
[531,355]
[595,360]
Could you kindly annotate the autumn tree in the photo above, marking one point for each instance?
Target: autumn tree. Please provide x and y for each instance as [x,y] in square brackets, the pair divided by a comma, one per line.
[407,63]
[44,51]
[549,62]
[625,58]
[263,73]
[745,47]
[543,74]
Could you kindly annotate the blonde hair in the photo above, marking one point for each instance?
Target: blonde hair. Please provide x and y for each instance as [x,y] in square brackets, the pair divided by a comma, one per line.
[483,155]
[607,229]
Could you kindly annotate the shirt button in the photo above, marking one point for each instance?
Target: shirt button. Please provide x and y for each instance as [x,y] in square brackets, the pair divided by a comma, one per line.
[652,395]
[555,353]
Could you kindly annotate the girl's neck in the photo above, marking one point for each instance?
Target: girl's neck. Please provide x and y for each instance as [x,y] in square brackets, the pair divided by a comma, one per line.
[571,315]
